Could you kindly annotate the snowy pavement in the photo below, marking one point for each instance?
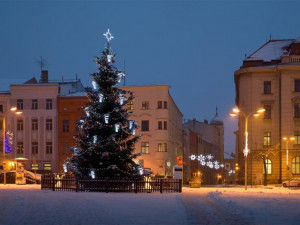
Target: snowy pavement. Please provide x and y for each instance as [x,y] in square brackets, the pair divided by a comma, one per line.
[232,205]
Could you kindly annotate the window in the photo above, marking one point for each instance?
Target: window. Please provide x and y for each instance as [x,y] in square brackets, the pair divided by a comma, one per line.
[267,113]
[1,108]
[49,148]
[297,85]
[268,166]
[297,110]
[160,125]
[48,124]
[159,104]
[267,138]
[145,125]
[65,125]
[267,87]
[19,124]
[20,148]
[165,104]
[34,148]
[20,104]
[47,166]
[34,124]
[34,104]
[34,166]
[145,147]
[145,105]
[297,137]
[296,165]
[162,147]
[130,105]
[165,125]
[48,103]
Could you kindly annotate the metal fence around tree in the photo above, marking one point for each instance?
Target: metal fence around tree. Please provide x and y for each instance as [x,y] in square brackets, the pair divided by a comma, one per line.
[137,185]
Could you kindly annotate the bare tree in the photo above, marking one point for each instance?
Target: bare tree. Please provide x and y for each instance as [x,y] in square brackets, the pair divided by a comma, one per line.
[264,154]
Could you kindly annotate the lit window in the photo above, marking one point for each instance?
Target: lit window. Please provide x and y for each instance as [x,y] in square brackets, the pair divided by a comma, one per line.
[145,125]
[162,147]
[130,105]
[145,147]
[268,166]
[49,148]
[47,166]
[34,104]
[267,138]
[20,148]
[65,125]
[34,166]
[297,137]
[145,105]
[296,165]
[267,87]
[48,103]
[34,124]
[48,124]
[34,148]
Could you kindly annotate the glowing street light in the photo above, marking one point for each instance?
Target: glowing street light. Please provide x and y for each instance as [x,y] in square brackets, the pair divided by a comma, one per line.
[4,114]
[235,112]
[286,139]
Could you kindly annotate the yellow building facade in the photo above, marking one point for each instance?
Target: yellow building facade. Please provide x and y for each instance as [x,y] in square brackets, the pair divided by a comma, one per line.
[270,78]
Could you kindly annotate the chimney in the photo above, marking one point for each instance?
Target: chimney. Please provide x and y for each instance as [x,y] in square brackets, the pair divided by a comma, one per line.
[44,77]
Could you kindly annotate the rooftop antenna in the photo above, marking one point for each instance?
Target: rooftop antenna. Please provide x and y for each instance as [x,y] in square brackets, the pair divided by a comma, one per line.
[124,82]
[76,76]
[41,62]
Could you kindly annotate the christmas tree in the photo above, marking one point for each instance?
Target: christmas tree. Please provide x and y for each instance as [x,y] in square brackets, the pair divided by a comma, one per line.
[106,138]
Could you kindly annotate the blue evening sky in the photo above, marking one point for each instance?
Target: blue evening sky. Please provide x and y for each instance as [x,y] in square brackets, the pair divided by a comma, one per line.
[194,46]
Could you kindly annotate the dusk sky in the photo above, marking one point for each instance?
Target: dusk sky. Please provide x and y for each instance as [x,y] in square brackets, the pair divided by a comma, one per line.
[193,46]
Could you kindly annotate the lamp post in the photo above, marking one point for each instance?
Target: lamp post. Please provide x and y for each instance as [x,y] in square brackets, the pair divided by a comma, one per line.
[4,114]
[236,111]
[286,139]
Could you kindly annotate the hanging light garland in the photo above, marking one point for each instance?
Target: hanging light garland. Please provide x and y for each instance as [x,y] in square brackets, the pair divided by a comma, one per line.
[206,160]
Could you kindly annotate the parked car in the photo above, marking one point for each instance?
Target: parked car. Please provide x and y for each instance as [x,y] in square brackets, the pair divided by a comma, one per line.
[291,183]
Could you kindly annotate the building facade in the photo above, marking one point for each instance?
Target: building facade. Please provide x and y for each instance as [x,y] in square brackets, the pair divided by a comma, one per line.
[203,138]
[35,130]
[270,78]
[159,122]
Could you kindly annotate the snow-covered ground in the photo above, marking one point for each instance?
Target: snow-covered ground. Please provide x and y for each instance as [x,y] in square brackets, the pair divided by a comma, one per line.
[28,204]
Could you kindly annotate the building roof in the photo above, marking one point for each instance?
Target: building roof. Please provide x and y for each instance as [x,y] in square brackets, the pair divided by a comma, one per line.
[272,50]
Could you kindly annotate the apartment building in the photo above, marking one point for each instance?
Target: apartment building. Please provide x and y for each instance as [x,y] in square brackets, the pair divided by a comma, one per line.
[270,78]
[35,130]
[204,138]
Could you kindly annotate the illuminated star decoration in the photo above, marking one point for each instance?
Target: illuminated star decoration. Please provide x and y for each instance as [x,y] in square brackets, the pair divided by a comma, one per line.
[108,35]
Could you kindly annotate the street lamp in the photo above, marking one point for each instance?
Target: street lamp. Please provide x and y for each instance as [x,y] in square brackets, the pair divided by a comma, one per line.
[236,111]
[286,139]
[4,114]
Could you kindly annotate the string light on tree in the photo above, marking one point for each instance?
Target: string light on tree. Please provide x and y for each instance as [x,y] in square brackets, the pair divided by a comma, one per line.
[106,118]
[100,96]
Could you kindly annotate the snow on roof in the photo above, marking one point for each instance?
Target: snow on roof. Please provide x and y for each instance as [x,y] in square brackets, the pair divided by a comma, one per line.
[76,94]
[272,50]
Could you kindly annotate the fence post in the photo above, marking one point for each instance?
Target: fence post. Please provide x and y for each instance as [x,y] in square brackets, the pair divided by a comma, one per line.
[135,186]
[53,183]
[180,185]
[161,186]
[77,184]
